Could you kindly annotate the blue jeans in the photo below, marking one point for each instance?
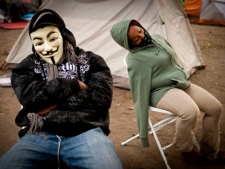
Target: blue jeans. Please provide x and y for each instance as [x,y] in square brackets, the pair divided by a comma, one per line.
[89,150]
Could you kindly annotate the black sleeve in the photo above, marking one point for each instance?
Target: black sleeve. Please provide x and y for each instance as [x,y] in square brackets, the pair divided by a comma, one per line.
[33,92]
[99,94]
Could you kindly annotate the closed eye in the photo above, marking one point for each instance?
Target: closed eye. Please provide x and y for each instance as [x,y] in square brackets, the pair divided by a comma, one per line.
[135,39]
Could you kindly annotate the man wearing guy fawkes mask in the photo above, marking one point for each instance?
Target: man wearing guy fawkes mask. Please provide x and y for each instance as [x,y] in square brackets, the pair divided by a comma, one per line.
[66,93]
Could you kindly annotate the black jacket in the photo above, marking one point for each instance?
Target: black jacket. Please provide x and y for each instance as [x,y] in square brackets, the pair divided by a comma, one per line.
[77,111]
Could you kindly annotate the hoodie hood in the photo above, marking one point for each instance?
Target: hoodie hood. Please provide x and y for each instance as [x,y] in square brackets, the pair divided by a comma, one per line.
[119,33]
[47,17]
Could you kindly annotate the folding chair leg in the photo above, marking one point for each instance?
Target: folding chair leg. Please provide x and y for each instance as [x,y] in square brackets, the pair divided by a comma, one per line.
[168,146]
[130,139]
[159,145]
[163,123]
[159,126]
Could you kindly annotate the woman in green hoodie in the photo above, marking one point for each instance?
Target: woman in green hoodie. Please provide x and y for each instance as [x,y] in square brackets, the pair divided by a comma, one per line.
[158,79]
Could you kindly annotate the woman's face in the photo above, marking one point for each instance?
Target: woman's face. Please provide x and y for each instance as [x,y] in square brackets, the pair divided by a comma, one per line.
[135,35]
[48,43]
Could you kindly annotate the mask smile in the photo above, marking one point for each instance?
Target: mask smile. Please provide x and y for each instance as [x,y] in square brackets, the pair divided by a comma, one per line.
[49,53]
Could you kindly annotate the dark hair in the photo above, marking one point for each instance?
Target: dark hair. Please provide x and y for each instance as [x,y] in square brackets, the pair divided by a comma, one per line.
[135,23]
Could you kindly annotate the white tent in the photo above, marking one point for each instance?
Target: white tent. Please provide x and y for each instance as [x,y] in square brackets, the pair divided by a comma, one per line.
[91,21]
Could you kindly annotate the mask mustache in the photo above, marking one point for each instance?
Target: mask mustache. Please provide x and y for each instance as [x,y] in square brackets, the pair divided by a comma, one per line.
[50,52]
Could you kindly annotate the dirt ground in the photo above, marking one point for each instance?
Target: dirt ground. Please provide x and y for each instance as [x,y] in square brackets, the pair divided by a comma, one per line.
[211,40]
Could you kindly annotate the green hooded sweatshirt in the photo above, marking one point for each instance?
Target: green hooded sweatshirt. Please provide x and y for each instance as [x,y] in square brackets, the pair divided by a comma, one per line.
[153,70]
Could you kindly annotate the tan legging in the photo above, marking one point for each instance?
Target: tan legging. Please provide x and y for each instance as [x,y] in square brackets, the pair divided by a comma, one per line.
[187,104]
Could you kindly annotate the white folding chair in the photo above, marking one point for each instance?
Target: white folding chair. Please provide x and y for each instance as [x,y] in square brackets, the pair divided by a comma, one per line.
[171,118]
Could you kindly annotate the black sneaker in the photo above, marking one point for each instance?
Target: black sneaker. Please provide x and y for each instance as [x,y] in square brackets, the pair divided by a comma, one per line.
[220,159]
[191,157]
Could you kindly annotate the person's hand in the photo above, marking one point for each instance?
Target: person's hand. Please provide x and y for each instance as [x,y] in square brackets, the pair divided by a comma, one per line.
[46,110]
[82,85]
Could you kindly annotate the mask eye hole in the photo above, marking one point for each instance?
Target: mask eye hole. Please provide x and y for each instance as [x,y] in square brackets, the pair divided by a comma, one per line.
[53,39]
[38,43]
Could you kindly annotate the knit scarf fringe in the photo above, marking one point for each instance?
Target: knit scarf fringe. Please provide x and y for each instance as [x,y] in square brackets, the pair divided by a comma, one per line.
[36,123]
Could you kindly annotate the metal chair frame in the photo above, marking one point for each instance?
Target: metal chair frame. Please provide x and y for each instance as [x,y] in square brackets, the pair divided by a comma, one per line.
[158,126]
